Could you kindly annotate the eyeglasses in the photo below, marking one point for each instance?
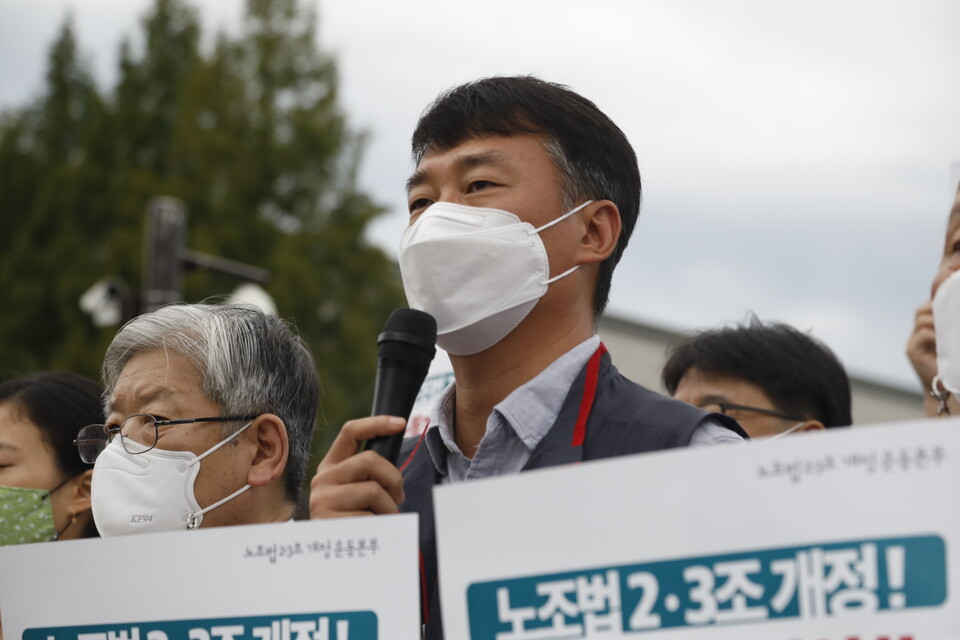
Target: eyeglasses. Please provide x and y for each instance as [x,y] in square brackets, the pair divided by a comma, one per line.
[138,433]
[727,406]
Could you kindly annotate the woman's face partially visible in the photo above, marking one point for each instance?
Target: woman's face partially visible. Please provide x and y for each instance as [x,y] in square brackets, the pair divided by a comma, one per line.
[26,460]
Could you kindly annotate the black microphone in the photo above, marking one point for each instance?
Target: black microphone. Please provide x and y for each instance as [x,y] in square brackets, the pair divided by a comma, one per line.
[407,345]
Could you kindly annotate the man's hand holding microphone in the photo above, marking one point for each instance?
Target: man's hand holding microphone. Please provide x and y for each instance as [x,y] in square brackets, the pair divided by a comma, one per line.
[351,482]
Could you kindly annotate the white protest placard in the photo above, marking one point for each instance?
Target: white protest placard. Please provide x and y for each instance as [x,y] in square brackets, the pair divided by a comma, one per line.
[852,534]
[344,579]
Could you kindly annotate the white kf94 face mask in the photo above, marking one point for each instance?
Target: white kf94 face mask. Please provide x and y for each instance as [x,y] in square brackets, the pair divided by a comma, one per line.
[150,491]
[946,323]
[478,271]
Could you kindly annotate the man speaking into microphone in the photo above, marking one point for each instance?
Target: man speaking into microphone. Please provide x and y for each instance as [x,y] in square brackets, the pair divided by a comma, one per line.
[522,202]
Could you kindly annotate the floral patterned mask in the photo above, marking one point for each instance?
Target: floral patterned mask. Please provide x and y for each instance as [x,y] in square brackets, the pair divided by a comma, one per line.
[25,516]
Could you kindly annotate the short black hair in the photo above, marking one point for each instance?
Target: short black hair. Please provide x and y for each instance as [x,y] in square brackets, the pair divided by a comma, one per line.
[799,374]
[59,405]
[592,154]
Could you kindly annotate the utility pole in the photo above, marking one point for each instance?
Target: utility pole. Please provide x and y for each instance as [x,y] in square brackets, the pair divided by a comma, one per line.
[166,257]
[163,244]
[110,302]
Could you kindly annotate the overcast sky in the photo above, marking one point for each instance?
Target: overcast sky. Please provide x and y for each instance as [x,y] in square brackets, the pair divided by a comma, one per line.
[796,156]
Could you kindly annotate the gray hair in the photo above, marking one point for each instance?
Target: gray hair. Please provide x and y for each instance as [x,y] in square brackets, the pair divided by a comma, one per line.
[249,363]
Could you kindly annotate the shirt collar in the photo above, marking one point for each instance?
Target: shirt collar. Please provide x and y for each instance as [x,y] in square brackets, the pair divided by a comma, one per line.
[530,410]
[439,435]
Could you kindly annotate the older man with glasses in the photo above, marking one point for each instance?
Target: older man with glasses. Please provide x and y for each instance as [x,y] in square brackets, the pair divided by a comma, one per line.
[210,414]
[771,378]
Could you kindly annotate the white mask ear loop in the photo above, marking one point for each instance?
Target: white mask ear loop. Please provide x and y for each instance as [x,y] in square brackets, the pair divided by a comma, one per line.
[785,433]
[193,520]
[561,218]
[219,444]
[556,221]
[565,273]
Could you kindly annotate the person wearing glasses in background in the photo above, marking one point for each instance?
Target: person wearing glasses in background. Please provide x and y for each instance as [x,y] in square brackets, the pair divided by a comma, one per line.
[210,414]
[773,379]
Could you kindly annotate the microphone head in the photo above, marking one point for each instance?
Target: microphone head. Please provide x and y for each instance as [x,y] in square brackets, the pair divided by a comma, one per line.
[409,335]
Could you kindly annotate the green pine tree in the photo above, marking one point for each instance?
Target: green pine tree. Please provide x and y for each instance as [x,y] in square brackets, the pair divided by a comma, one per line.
[251,137]
[52,189]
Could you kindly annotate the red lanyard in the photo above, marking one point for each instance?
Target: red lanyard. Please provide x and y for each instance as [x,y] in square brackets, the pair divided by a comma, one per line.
[586,404]
[589,394]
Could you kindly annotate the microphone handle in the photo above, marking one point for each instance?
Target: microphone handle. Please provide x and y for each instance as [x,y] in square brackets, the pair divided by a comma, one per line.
[387,446]
[394,394]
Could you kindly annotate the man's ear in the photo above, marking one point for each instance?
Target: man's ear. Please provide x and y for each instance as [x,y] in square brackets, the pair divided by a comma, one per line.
[601,231]
[273,448]
[80,499]
[811,425]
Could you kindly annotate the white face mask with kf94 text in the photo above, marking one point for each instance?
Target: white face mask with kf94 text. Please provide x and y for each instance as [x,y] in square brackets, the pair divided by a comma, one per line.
[149,491]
